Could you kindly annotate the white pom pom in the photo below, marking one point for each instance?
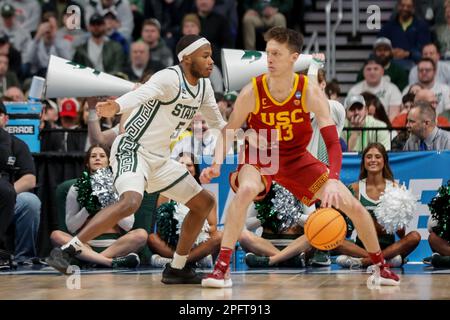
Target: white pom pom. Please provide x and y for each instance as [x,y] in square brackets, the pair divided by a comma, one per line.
[180,213]
[396,208]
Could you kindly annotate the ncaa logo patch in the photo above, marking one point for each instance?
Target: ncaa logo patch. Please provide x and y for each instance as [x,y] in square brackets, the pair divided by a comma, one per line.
[298,94]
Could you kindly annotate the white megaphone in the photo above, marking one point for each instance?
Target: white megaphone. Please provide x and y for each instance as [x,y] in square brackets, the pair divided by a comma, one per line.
[69,79]
[240,66]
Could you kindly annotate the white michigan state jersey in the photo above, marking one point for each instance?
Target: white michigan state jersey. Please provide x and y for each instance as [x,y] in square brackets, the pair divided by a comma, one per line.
[164,107]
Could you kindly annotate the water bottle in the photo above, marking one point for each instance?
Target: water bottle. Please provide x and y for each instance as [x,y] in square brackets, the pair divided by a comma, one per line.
[239,258]
[37,89]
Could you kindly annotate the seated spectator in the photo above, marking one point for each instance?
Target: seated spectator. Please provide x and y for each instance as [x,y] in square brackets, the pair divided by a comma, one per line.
[112,25]
[151,35]
[382,50]
[375,108]
[375,83]
[357,117]
[202,142]
[442,68]
[332,90]
[120,8]
[401,119]
[375,175]
[19,181]
[14,56]
[398,143]
[427,79]
[424,133]
[70,139]
[443,33]
[19,37]
[429,96]
[7,78]
[27,14]
[15,94]
[140,62]
[407,33]
[43,45]
[49,115]
[260,14]
[163,243]
[215,28]
[98,52]
[119,245]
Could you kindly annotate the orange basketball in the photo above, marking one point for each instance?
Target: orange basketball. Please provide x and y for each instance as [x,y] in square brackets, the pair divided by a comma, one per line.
[325,229]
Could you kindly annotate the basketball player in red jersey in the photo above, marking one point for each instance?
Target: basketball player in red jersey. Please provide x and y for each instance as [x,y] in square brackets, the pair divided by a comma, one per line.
[278,103]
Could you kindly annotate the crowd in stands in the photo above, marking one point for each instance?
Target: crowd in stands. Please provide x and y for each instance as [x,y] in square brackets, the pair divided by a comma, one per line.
[401,99]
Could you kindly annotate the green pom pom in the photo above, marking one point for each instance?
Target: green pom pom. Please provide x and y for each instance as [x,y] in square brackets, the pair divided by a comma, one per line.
[85,196]
[440,211]
[166,224]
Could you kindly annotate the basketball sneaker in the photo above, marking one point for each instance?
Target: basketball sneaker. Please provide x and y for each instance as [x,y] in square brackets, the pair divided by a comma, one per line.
[298,261]
[395,262]
[382,275]
[321,259]
[205,262]
[60,259]
[349,262]
[427,260]
[187,275]
[159,262]
[439,261]
[219,278]
[131,260]
[254,261]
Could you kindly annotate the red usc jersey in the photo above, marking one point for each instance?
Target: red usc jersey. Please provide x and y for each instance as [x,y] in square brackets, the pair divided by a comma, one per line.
[289,118]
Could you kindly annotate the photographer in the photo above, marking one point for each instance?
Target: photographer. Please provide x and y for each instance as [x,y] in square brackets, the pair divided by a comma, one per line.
[19,208]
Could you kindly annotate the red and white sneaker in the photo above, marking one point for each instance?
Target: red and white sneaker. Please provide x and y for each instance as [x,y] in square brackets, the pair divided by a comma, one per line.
[217,279]
[382,276]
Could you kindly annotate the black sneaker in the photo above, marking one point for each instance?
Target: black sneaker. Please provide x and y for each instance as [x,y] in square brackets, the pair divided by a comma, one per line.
[131,260]
[297,261]
[187,275]
[254,261]
[439,261]
[60,259]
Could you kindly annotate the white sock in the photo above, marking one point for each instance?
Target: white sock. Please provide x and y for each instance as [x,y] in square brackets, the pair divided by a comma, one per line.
[178,261]
[75,242]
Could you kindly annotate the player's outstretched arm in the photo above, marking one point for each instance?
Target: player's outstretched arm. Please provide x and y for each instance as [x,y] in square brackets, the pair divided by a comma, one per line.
[244,105]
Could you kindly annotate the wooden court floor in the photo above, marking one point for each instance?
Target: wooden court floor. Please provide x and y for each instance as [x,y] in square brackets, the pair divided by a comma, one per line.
[341,285]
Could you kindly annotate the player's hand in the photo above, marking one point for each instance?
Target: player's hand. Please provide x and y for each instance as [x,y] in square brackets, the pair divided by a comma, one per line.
[107,109]
[357,121]
[210,173]
[331,196]
[319,58]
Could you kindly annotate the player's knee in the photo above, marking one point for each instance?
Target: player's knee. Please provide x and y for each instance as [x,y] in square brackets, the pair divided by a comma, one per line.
[209,201]
[129,205]
[247,192]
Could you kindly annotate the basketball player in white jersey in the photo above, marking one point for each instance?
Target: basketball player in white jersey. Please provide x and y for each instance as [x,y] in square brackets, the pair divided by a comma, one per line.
[163,107]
